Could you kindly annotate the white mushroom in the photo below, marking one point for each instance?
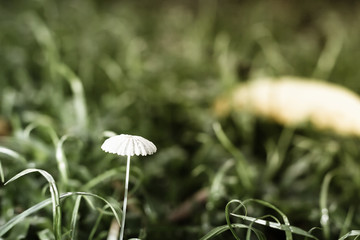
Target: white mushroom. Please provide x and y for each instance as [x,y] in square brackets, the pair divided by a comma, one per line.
[127,145]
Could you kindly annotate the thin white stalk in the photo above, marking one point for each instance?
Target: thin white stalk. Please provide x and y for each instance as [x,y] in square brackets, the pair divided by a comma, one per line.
[125,198]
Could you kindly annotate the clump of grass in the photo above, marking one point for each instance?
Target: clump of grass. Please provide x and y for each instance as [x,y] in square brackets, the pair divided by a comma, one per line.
[56,206]
[70,70]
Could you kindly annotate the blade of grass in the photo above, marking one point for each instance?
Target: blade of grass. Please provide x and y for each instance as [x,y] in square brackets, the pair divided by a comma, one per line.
[276,225]
[288,231]
[61,160]
[217,186]
[12,222]
[332,49]
[45,234]
[11,153]
[347,221]
[227,144]
[311,230]
[227,215]
[79,96]
[218,230]
[352,233]
[277,156]
[74,217]
[50,130]
[271,49]
[96,225]
[2,177]
[54,197]
[324,221]
[115,172]
[15,220]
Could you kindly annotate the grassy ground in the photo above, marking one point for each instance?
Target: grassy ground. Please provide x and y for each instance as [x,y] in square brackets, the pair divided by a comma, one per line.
[70,70]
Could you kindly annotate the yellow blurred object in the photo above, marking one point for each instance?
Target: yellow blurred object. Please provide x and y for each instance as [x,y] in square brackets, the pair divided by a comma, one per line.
[293,100]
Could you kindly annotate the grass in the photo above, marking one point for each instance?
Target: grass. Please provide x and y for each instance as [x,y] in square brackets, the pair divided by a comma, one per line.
[72,70]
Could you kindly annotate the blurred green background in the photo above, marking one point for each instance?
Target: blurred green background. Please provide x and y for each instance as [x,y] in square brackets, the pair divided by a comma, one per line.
[154,69]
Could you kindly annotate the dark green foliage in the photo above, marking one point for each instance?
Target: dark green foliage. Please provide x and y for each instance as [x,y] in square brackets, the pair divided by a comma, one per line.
[70,70]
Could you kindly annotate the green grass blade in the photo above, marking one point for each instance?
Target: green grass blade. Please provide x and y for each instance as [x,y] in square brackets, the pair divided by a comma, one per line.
[115,173]
[227,215]
[49,130]
[217,186]
[347,223]
[2,177]
[96,225]
[102,177]
[18,218]
[325,223]
[276,157]
[45,234]
[61,160]
[14,155]
[276,225]
[74,217]
[311,230]
[54,197]
[352,233]
[286,227]
[219,230]
[78,92]
[102,199]
[227,144]
[15,220]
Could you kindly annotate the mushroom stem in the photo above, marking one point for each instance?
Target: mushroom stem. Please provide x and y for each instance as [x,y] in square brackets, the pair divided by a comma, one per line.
[125,198]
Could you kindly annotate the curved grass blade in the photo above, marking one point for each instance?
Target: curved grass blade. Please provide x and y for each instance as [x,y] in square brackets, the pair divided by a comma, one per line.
[289,230]
[219,230]
[227,215]
[14,155]
[276,157]
[311,230]
[10,224]
[352,233]
[2,177]
[276,225]
[115,172]
[217,187]
[49,129]
[11,153]
[96,225]
[323,205]
[45,234]
[58,143]
[15,220]
[346,225]
[228,145]
[54,197]
[74,217]
[61,160]
[86,194]
[78,92]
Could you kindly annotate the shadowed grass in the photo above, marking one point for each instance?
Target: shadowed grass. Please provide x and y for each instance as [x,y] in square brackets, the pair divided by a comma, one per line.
[71,69]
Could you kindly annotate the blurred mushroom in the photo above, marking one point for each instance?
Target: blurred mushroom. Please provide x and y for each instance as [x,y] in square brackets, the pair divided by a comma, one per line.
[293,100]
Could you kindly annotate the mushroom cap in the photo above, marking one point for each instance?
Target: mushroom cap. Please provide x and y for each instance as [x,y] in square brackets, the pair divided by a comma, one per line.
[128,145]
